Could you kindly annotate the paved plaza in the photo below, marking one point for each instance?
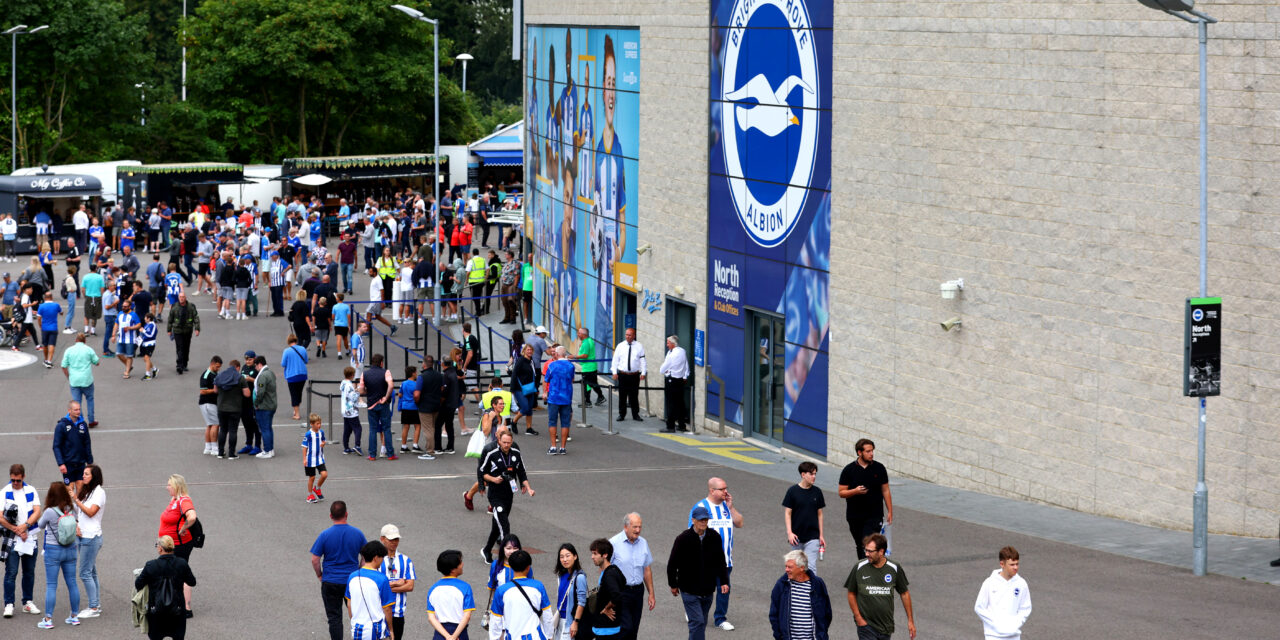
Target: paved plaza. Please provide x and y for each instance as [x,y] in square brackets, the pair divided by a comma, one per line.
[1088,576]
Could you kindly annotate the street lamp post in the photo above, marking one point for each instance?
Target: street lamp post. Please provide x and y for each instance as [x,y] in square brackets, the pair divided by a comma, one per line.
[142,87]
[184,50]
[464,57]
[1184,10]
[435,159]
[13,91]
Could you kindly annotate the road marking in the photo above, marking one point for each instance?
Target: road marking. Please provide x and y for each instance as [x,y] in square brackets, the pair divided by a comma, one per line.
[102,431]
[725,449]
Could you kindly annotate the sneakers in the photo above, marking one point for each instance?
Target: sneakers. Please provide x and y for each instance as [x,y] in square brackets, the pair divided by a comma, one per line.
[531,432]
[91,612]
[319,496]
[488,557]
[404,448]
[255,451]
[311,498]
[600,402]
[372,459]
[348,451]
[426,456]
[466,500]
[551,451]
[393,456]
[46,623]
[265,454]
[73,621]
[415,447]
[233,457]
[68,330]
[726,626]
[358,451]
[8,610]
[561,451]
[245,449]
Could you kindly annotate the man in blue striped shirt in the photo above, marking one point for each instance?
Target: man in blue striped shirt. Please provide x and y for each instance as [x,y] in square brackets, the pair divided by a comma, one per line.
[398,568]
[724,519]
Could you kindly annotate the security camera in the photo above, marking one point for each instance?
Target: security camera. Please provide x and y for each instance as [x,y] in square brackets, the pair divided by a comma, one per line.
[950,287]
[953,323]
[642,249]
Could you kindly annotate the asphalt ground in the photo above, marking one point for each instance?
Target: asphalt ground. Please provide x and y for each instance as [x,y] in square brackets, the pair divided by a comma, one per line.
[255,575]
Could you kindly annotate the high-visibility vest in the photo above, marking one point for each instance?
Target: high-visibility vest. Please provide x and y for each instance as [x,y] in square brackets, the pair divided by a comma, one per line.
[387,267]
[475,272]
[526,276]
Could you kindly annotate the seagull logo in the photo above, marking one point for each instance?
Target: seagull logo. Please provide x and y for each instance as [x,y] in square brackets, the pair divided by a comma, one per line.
[771,114]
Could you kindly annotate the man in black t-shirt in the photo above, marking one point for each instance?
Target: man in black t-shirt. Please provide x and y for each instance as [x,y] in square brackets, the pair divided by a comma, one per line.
[864,484]
[209,405]
[802,515]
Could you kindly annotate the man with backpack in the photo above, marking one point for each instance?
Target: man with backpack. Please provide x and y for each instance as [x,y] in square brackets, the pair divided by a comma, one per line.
[164,577]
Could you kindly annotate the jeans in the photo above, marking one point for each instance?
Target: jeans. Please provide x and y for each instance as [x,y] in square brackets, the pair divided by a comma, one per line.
[722,601]
[57,557]
[84,395]
[380,422]
[110,322]
[11,566]
[71,309]
[810,550]
[696,608]
[265,417]
[369,255]
[88,559]
[187,260]
[867,633]
[332,593]
[348,276]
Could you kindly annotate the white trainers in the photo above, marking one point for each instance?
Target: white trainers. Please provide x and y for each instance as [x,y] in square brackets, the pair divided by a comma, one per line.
[31,608]
[726,625]
[8,610]
[46,623]
[89,612]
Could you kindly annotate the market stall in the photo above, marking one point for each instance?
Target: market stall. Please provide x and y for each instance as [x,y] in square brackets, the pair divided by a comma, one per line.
[58,195]
[181,186]
[497,159]
[358,177]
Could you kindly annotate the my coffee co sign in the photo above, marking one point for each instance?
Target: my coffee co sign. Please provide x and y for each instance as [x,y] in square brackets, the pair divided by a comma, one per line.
[56,184]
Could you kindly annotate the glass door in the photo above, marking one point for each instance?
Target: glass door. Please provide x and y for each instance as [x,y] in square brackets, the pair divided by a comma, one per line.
[767,375]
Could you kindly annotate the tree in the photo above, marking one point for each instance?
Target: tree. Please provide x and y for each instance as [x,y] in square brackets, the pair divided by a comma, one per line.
[76,95]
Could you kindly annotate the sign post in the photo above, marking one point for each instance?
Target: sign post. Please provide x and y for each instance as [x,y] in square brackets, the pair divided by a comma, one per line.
[1201,377]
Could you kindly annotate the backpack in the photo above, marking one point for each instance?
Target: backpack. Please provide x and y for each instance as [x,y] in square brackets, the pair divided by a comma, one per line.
[67,528]
[168,600]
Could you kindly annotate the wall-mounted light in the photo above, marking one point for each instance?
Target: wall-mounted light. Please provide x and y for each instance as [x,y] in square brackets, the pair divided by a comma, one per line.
[952,323]
[679,290]
[950,287]
[643,249]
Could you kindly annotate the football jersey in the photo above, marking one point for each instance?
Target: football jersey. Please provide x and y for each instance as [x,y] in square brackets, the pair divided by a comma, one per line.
[127,336]
[398,568]
[313,442]
[517,618]
[450,599]
[368,591]
[610,204]
[172,284]
[149,334]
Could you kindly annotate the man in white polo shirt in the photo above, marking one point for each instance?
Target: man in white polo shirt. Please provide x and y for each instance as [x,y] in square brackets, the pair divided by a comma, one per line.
[20,500]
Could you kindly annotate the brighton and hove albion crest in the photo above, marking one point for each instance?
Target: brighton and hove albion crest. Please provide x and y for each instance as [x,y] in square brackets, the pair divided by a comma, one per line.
[769,114]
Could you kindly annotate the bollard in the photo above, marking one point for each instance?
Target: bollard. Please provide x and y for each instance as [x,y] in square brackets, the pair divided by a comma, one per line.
[308,413]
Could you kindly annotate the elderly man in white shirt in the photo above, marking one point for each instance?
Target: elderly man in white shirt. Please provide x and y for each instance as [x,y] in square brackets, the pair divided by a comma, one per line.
[629,371]
[675,375]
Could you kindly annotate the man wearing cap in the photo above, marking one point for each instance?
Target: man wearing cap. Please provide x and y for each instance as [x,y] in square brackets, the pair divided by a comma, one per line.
[398,569]
[184,323]
[695,567]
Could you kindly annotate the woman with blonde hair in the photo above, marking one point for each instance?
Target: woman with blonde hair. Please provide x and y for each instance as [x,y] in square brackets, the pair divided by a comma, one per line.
[47,261]
[176,522]
[58,557]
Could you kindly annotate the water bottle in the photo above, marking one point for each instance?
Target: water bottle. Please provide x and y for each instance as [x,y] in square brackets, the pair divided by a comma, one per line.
[822,551]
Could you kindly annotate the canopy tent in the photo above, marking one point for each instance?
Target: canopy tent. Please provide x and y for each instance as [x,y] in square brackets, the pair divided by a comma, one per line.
[502,148]
[402,165]
[181,185]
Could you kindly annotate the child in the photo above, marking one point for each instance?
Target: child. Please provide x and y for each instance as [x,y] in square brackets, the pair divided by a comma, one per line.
[450,600]
[147,347]
[313,443]
[350,411]
[409,411]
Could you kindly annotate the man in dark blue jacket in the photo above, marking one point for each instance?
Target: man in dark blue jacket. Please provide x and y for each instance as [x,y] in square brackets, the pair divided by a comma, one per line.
[71,447]
[799,606]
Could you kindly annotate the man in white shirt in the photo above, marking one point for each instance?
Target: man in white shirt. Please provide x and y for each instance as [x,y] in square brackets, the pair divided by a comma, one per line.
[80,220]
[1004,603]
[25,504]
[675,375]
[629,371]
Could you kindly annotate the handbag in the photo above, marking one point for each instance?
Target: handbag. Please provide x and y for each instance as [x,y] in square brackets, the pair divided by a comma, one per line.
[197,532]
[475,446]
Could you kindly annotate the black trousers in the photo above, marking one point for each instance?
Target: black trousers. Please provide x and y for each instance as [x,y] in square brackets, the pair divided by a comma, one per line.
[182,345]
[488,299]
[252,434]
[860,529]
[444,422]
[673,396]
[397,626]
[228,425]
[629,394]
[277,300]
[332,594]
[500,500]
[160,627]
[477,293]
[590,380]
[629,613]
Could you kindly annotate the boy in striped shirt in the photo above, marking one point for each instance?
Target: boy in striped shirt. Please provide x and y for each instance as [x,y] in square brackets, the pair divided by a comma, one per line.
[313,443]
[127,325]
[147,346]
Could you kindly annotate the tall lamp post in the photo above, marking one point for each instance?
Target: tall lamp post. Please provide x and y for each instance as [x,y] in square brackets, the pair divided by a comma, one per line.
[435,159]
[465,58]
[184,50]
[1185,10]
[13,91]
[142,87]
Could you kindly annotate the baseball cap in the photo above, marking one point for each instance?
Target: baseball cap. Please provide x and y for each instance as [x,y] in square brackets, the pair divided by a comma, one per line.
[700,513]
[540,329]
[250,354]
[391,532]
[6,274]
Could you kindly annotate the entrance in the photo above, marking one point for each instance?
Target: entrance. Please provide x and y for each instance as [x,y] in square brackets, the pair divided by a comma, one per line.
[766,371]
[624,314]
[682,319]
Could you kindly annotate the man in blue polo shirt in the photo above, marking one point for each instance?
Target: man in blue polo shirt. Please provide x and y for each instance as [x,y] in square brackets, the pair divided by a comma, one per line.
[335,556]
[47,313]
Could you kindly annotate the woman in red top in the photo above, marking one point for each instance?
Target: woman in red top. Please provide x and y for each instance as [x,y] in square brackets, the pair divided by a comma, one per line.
[468,229]
[176,522]
[455,242]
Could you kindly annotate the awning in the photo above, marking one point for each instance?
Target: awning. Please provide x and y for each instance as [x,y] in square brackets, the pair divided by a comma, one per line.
[51,185]
[501,158]
[61,194]
[208,183]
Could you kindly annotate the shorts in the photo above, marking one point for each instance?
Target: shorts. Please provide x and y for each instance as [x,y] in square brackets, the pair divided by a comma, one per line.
[242,293]
[202,268]
[561,413]
[156,292]
[226,293]
[527,296]
[93,308]
[322,335]
[75,473]
[147,351]
[374,309]
[49,337]
[311,471]
[341,331]
[409,416]
[471,378]
[210,413]
[422,293]
[172,300]
[126,350]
